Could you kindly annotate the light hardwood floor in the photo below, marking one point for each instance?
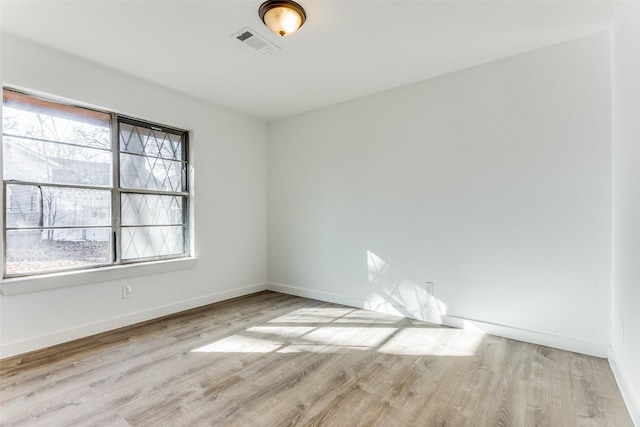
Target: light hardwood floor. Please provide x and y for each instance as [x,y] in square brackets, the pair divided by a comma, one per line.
[277,360]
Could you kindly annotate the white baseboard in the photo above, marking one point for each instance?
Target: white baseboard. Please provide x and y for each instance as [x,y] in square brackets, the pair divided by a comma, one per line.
[525,335]
[59,337]
[629,396]
[533,337]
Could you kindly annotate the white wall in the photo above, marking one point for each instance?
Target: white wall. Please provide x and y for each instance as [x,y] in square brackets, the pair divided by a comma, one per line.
[626,204]
[229,154]
[493,182]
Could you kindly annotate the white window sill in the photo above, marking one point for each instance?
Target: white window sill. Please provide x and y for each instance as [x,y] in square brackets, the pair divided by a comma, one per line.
[22,285]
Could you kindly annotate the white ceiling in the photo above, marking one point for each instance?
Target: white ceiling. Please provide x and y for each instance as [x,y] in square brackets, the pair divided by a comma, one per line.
[346,49]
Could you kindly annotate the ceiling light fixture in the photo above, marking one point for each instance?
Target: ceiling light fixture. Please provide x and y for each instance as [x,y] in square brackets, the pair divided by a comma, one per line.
[282,17]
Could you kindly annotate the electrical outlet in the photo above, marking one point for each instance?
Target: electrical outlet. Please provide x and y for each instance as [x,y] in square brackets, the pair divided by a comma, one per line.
[127,290]
[429,287]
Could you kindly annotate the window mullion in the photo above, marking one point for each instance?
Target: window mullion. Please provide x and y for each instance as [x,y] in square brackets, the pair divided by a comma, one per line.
[186,211]
[3,249]
[116,256]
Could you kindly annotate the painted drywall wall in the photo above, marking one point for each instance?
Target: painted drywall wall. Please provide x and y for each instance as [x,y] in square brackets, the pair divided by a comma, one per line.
[229,170]
[626,204]
[493,183]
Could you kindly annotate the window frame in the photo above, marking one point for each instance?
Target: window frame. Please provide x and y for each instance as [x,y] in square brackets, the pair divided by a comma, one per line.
[117,267]
[119,190]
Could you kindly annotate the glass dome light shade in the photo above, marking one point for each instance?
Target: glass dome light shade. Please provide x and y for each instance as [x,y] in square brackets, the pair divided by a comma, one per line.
[282,17]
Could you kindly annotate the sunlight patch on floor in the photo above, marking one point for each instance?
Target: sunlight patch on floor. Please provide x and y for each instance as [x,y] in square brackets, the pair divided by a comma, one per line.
[433,342]
[361,337]
[240,344]
[282,332]
[320,348]
[313,315]
[363,316]
[339,330]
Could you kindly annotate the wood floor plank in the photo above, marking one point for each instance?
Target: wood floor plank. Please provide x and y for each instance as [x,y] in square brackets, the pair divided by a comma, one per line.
[271,359]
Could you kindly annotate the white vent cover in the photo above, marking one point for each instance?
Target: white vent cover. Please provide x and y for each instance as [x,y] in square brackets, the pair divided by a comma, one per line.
[254,40]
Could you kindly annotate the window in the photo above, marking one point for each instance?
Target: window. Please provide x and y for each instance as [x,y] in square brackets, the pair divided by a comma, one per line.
[85,188]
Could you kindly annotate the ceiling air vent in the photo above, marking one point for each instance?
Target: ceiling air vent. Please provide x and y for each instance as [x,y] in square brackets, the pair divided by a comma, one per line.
[254,40]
